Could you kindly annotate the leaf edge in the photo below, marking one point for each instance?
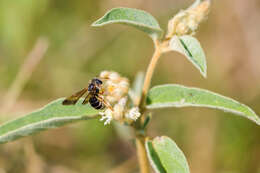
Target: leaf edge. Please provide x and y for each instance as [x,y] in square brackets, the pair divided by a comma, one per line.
[178,105]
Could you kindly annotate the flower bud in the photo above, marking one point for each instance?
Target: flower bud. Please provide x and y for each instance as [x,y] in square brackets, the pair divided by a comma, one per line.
[186,22]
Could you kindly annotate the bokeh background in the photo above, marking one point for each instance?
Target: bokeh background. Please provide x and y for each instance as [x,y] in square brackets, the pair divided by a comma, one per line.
[69,52]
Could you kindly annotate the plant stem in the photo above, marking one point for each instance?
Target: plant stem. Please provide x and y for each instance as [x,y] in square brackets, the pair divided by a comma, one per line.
[142,155]
[149,73]
[140,138]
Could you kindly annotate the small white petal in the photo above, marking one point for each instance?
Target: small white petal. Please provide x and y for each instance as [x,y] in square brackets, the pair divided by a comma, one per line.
[102,118]
[111,83]
[101,113]
[108,120]
[124,83]
[107,116]
[122,101]
[114,76]
[104,74]
[133,113]
[111,99]
[119,108]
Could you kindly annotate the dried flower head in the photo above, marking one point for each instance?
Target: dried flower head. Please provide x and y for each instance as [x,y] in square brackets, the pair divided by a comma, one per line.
[116,94]
[187,21]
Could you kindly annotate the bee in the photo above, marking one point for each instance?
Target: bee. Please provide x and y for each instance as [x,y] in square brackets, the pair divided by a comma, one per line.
[94,96]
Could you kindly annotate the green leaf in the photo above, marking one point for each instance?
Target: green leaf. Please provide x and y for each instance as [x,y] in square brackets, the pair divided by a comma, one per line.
[133,17]
[165,156]
[138,84]
[190,47]
[173,95]
[136,91]
[50,116]
[154,158]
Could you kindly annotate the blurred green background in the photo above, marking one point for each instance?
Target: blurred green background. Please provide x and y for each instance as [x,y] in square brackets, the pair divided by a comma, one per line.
[213,141]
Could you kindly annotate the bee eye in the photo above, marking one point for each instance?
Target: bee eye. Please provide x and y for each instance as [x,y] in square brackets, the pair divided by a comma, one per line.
[98,81]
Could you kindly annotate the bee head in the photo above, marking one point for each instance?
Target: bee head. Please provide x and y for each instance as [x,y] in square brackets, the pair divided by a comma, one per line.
[97,81]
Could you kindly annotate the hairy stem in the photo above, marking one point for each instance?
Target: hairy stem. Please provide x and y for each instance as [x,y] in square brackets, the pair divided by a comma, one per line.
[142,155]
[140,138]
[149,73]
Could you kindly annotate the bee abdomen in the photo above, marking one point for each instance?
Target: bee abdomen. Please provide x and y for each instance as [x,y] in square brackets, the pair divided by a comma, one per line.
[100,106]
[95,103]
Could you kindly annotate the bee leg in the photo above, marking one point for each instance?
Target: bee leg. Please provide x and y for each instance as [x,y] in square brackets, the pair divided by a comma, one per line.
[103,78]
[86,99]
[102,91]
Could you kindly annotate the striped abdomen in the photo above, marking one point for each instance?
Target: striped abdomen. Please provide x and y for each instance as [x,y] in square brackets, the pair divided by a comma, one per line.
[95,103]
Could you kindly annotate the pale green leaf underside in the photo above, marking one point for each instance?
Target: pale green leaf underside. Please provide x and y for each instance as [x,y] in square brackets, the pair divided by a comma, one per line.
[154,158]
[136,90]
[133,17]
[165,156]
[191,48]
[173,95]
[50,116]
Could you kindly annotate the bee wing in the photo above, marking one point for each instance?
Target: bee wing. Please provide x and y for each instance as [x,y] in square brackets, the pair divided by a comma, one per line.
[86,99]
[72,100]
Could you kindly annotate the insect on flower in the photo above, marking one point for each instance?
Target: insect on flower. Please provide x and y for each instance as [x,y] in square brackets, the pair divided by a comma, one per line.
[94,97]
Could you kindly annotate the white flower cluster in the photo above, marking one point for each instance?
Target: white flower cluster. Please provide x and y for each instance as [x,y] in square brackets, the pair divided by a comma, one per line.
[119,109]
[133,113]
[115,92]
[107,116]
[115,86]
[187,21]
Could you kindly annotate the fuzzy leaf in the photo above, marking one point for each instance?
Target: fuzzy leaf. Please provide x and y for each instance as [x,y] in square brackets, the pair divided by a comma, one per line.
[191,48]
[138,84]
[165,156]
[133,17]
[173,95]
[136,91]
[50,116]
[154,158]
